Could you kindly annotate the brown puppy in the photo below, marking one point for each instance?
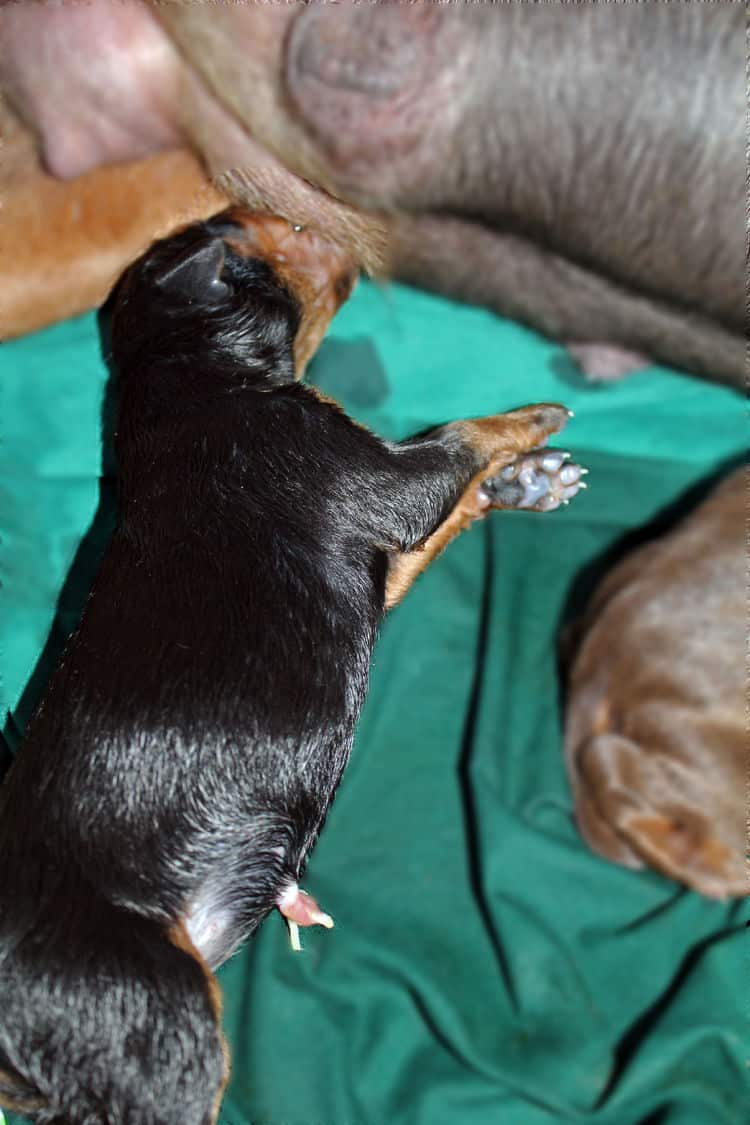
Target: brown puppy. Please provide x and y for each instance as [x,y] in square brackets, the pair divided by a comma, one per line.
[656,728]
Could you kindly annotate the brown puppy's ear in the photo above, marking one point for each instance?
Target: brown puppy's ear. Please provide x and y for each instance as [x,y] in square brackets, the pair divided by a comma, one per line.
[629,809]
[16,1094]
[683,845]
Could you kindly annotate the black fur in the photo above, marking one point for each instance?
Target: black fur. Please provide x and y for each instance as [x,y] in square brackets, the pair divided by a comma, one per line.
[192,739]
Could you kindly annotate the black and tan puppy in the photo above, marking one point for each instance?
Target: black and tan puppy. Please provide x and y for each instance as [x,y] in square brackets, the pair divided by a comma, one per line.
[181,763]
[656,725]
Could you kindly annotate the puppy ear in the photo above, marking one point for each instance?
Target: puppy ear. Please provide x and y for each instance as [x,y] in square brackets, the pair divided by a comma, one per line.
[16,1094]
[195,272]
[686,848]
[627,811]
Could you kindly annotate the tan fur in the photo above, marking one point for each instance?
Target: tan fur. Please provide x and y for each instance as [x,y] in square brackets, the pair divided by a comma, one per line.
[320,274]
[20,1102]
[499,439]
[179,937]
[364,234]
[65,243]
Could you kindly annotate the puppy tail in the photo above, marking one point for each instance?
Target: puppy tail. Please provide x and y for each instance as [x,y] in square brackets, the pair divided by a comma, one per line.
[105,1015]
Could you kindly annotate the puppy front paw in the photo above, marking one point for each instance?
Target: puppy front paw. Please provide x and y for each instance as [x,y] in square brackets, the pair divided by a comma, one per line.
[539,481]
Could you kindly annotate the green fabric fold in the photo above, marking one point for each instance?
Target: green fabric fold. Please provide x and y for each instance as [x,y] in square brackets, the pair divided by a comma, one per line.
[485,967]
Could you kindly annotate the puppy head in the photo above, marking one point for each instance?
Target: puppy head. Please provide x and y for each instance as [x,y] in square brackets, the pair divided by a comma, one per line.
[319,272]
[193,299]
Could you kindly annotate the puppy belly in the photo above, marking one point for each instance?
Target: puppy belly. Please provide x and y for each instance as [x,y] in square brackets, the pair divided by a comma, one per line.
[212,927]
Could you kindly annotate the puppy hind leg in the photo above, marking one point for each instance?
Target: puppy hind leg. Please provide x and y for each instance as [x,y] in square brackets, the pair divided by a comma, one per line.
[180,938]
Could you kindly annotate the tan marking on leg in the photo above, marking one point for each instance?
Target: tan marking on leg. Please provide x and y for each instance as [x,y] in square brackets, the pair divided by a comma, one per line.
[404,568]
[498,440]
[20,1097]
[179,937]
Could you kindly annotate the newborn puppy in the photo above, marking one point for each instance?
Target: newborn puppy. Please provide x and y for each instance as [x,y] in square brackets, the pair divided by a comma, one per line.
[656,726]
[181,763]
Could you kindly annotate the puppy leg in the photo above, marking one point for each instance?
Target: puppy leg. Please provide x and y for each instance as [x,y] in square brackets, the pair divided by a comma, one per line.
[180,937]
[515,472]
[66,243]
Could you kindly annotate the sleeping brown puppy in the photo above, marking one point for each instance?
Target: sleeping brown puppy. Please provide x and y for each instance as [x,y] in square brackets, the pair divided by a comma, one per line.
[656,729]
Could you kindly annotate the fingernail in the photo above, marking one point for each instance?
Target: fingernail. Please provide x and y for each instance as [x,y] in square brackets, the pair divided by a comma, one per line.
[321,919]
[552,461]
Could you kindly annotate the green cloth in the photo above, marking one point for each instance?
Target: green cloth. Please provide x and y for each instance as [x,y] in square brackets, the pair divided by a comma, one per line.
[485,968]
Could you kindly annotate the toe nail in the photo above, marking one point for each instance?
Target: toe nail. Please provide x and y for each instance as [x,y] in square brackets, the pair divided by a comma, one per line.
[320,918]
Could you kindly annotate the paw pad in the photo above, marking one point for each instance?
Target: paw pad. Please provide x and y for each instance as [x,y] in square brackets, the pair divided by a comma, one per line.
[539,481]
